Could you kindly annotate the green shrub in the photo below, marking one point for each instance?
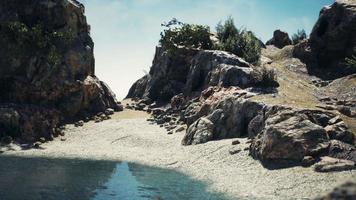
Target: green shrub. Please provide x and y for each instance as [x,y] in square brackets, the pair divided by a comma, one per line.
[21,42]
[188,35]
[351,62]
[239,42]
[299,36]
[264,77]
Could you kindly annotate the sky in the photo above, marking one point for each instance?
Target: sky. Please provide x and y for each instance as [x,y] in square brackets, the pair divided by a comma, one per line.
[125,32]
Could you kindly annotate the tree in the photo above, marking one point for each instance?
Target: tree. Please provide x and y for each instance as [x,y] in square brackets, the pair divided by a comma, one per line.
[187,35]
[239,42]
[299,36]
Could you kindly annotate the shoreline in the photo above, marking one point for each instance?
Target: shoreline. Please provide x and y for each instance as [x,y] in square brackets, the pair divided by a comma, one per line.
[128,137]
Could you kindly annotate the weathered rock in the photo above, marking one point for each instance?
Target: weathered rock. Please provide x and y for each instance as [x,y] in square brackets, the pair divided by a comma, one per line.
[178,101]
[333,36]
[329,164]
[346,191]
[291,134]
[280,39]
[199,132]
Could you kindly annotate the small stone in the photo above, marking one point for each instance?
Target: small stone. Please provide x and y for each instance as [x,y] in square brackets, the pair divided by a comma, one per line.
[37,145]
[79,123]
[246,148]
[97,119]
[235,142]
[234,151]
[86,119]
[308,161]
[329,164]
[335,120]
[63,139]
[109,111]
[345,110]
[61,133]
[170,133]
[42,140]
[180,129]
[50,137]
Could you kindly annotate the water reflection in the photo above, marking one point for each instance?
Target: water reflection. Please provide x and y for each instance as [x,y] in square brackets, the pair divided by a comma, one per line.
[60,179]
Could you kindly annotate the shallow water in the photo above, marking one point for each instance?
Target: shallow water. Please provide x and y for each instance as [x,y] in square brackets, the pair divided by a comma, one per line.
[62,179]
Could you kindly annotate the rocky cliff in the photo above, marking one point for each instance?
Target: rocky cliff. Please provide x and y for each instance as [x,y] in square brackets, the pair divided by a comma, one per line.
[218,95]
[47,73]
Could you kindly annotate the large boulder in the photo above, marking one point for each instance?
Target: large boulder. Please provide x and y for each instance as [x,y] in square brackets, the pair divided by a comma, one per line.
[333,36]
[289,134]
[280,39]
[46,59]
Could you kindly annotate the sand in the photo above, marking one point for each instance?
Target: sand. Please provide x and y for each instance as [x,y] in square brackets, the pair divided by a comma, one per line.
[129,137]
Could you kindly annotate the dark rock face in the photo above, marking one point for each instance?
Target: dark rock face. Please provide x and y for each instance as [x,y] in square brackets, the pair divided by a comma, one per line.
[28,122]
[47,61]
[190,71]
[334,35]
[280,39]
[331,41]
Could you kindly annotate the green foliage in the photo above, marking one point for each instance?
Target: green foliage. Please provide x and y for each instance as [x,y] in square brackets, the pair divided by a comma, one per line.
[351,62]
[265,77]
[299,36]
[21,42]
[239,42]
[188,35]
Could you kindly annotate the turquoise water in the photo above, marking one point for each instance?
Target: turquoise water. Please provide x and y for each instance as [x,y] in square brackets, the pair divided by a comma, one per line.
[67,179]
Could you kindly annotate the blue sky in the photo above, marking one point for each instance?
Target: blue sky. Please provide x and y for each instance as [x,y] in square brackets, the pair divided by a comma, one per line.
[125,32]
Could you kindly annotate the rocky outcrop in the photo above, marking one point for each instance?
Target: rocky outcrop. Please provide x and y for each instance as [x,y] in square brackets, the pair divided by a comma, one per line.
[47,61]
[280,39]
[332,40]
[333,36]
[190,71]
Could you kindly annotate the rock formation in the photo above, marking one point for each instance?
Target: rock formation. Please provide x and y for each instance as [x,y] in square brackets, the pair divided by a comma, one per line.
[46,68]
[280,39]
[190,71]
[217,96]
[332,40]
[333,37]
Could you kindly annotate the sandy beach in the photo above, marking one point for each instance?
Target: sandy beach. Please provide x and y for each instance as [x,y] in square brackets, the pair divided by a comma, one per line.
[129,137]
